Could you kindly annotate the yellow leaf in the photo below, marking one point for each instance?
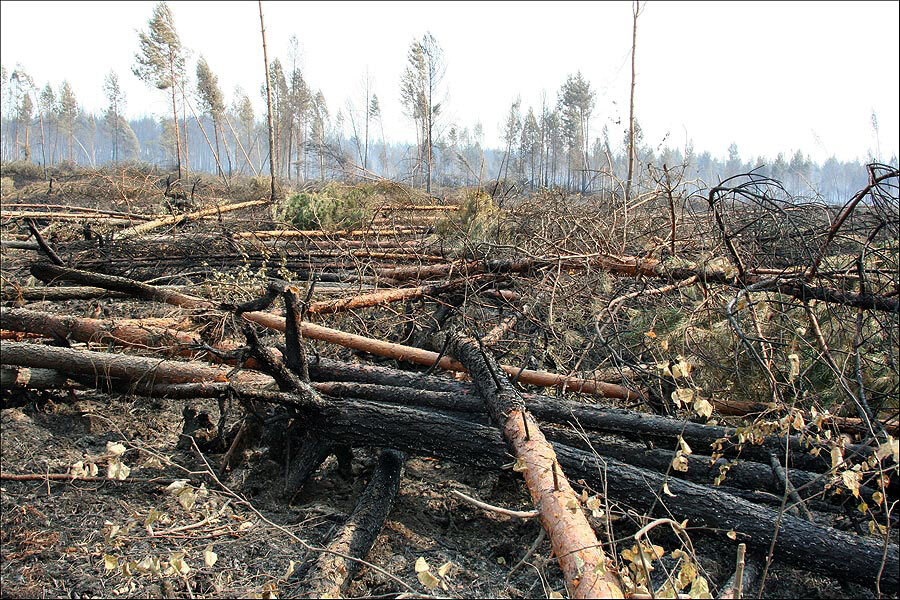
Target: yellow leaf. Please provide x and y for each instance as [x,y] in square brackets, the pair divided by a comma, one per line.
[521,466]
[703,407]
[209,557]
[444,569]
[175,487]
[290,570]
[863,507]
[176,559]
[187,498]
[877,497]
[110,562]
[421,565]
[684,446]
[666,490]
[794,360]
[115,448]
[699,588]
[851,480]
[836,457]
[892,446]
[687,574]
[682,368]
[680,463]
[117,470]
[682,396]
[428,580]
[650,334]
[77,470]
[732,535]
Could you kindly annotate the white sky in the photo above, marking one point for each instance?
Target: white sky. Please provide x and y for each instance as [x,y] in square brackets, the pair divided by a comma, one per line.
[772,77]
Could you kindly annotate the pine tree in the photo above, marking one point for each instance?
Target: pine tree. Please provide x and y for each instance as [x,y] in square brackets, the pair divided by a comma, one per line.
[160,61]
[116,98]
[212,102]
[419,92]
[67,113]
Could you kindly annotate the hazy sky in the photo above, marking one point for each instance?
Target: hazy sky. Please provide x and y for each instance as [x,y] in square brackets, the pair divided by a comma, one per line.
[771,77]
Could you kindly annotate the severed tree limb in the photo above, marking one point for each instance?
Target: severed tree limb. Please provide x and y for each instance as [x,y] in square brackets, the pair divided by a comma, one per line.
[43,245]
[580,555]
[325,307]
[24,377]
[332,573]
[518,514]
[745,577]
[788,487]
[136,289]
[38,294]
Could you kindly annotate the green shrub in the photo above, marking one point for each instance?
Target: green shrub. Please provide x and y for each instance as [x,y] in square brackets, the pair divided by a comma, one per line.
[22,171]
[476,218]
[334,207]
[7,186]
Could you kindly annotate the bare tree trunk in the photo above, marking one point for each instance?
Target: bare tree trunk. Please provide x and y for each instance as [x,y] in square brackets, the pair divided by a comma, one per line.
[216,136]
[628,183]
[268,101]
[184,127]
[175,116]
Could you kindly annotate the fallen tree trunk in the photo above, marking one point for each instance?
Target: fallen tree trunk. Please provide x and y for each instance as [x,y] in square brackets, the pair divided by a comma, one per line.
[19,245]
[175,219]
[24,377]
[701,469]
[316,233]
[383,297]
[580,555]
[48,272]
[428,358]
[799,543]
[375,383]
[633,266]
[332,573]
[138,370]
[56,294]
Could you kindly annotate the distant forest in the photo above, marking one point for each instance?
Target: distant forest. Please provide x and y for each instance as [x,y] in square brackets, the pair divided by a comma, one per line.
[550,146]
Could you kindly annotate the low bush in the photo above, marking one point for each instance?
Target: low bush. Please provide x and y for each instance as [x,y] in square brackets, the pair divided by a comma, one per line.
[335,207]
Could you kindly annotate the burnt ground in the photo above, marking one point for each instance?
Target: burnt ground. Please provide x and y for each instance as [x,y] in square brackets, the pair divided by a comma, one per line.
[56,535]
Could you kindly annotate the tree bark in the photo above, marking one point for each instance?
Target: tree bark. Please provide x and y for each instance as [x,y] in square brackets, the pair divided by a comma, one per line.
[630,175]
[580,555]
[138,370]
[332,573]
[272,168]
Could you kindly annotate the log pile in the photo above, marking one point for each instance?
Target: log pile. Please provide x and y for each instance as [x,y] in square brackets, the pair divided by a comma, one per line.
[624,434]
